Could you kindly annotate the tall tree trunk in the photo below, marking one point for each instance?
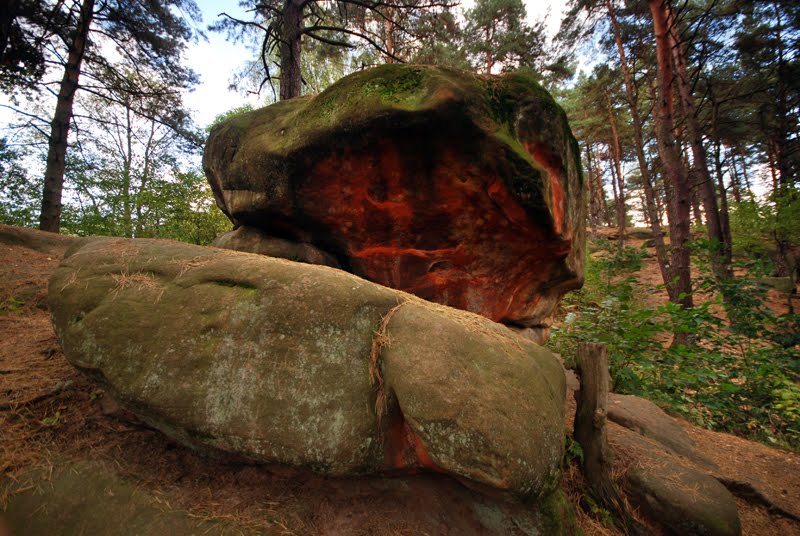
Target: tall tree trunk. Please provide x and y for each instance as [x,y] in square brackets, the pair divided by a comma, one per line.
[50,217]
[747,184]
[724,213]
[773,166]
[127,175]
[679,203]
[291,36]
[616,158]
[594,206]
[720,259]
[736,187]
[782,109]
[599,191]
[389,42]
[650,204]
[694,186]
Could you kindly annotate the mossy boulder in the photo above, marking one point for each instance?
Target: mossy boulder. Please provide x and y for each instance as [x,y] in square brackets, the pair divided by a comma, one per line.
[273,361]
[461,189]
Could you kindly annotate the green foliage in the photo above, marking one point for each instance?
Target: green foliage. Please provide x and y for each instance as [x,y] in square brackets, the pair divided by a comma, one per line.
[53,420]
[573,451]
[740,379]
[11,304]
[497,35]
[179,206]
[233,112]
[19,198]
[756,225]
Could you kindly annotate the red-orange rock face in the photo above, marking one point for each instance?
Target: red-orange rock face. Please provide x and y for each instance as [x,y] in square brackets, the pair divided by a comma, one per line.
[462,190]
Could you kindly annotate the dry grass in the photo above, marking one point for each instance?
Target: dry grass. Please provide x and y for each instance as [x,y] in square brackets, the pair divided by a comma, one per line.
[379,340]
[139,281]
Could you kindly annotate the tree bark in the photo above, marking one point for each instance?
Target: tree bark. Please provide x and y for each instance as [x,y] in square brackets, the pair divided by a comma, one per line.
[720,254]
[594,206]
[647,183]
[50,217]
[590,432]
[290,49]
[724,214]
[616,157]
[736,186]
[679,202]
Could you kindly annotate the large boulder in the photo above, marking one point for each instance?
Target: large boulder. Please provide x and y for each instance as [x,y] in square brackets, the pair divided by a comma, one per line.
[274,361]
[461,189]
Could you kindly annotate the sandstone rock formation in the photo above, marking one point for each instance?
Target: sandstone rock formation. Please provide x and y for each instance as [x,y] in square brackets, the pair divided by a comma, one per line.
[460,189]
[279,362]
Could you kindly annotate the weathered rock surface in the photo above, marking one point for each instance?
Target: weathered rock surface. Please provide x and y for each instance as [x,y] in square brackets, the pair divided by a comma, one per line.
[683,499]
[90,497]
[251,240]
[463,190]
[35,239]
[280,362]
[644,417]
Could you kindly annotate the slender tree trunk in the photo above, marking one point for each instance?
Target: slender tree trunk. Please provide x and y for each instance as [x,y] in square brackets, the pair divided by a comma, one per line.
[127,175]
[599,191]
[740,152]
[782,108]
[50,217]
[612,168]
[773,166]
[721,263]
[650,204]
[616,158]
[389,42]
[679,203]
[693,181]
[292,33]
[736,187]
[724,213]
[594,206]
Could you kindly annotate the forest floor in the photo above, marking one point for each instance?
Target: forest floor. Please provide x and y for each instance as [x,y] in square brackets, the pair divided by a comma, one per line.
[49,412]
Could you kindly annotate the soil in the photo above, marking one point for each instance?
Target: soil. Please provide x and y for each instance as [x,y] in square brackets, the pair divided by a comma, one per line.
[50,413]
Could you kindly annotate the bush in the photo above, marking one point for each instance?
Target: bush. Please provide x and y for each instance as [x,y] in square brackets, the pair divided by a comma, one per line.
[741,380]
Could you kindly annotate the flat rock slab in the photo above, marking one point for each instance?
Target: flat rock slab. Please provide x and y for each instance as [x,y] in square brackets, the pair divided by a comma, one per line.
[644,417]
[35,239]
[273,361]
[88,498]
[464,190]
[684,500]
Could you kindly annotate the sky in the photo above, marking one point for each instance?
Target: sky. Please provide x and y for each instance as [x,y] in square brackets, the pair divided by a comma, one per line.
[216,60]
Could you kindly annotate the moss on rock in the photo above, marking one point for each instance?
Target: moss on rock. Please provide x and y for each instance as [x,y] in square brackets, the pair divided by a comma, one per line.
[274,361]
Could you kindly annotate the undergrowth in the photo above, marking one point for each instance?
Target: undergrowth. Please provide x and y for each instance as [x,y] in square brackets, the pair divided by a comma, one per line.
[741,379]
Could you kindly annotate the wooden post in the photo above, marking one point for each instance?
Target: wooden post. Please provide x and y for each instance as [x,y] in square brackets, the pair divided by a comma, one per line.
[590,415]
[590,431]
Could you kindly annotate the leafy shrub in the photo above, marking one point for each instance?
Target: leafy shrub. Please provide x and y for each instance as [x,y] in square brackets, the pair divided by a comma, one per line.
[742,380]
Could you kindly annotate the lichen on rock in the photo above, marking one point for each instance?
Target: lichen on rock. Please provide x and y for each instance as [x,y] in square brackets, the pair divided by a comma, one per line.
[462,189]
[270,361]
